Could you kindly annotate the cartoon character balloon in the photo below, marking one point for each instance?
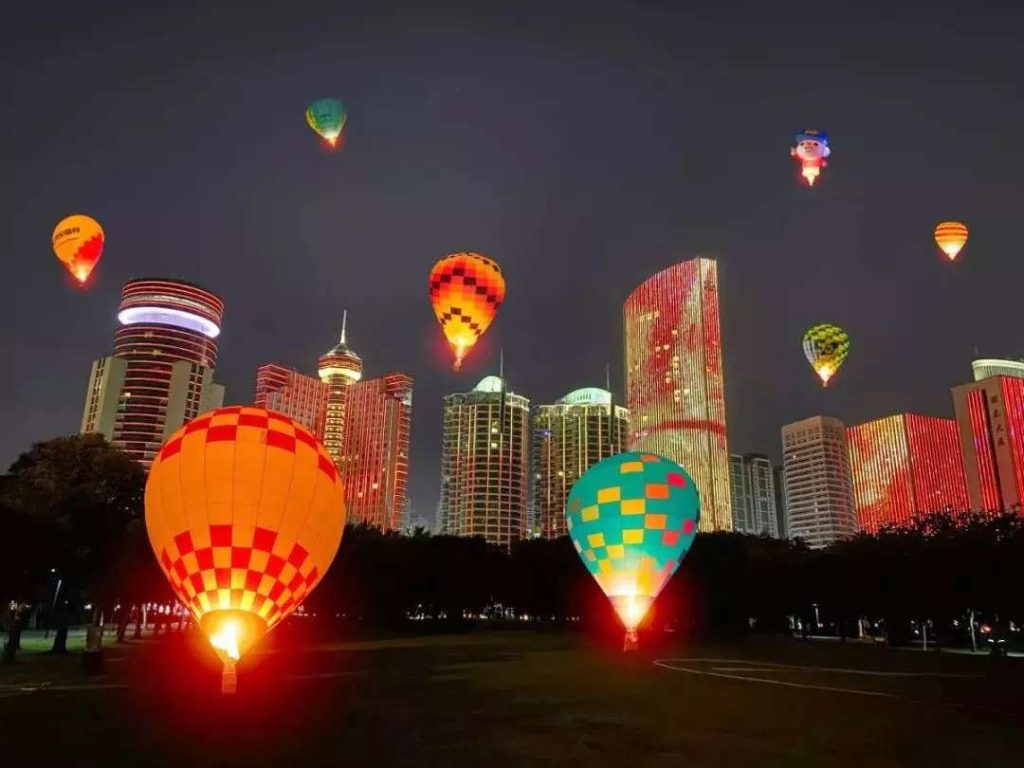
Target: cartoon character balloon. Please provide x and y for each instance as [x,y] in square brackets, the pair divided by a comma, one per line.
[466,290]
[826,347]
[78,242]
[244,511]
[951,237]
[632,519]
[327,117]
[811,151]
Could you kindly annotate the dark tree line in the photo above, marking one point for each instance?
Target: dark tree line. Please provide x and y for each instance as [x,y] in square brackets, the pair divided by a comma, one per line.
[73,534]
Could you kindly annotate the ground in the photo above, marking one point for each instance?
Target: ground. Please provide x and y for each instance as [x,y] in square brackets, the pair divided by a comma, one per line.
[517,698]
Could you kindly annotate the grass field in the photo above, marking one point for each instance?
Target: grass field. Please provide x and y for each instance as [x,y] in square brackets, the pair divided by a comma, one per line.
[518,699]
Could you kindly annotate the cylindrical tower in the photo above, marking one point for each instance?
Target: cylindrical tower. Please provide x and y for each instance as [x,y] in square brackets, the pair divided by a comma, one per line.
[338,368]
[168,339]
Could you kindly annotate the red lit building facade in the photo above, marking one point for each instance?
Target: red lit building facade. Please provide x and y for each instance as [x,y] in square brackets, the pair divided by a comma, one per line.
[363,423]
[303,398]
[161,373]
[903,466]
[990,415]
[674,380]
[374,463]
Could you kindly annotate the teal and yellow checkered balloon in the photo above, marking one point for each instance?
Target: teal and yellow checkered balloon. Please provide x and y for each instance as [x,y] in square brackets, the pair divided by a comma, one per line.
[632,518]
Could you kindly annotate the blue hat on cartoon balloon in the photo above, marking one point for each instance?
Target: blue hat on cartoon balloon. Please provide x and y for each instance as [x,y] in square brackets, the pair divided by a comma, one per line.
[812,134]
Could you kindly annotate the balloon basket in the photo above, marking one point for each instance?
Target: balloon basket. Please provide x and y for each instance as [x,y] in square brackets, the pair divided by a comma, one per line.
[630,642]
[228,678]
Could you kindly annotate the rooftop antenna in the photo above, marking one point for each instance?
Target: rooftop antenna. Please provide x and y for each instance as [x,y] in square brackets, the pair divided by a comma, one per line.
[344,321]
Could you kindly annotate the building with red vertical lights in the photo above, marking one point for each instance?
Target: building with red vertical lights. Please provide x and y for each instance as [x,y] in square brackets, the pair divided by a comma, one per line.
[374,462]
[161,373]
[302,398]
[903,466]
[338,368]
[990,414]
[674,379]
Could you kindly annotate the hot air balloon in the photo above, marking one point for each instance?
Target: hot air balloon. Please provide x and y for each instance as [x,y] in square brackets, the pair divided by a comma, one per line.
[826,347]
[951,236]
[632,518]
[78,242]
[466,290]
[810,151]
[327,117]
[244,511]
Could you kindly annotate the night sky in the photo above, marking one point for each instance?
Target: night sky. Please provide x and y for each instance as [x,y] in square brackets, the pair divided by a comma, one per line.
[583,148]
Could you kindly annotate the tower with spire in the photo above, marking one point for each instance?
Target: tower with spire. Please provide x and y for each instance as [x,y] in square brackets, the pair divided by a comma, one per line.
[338,368]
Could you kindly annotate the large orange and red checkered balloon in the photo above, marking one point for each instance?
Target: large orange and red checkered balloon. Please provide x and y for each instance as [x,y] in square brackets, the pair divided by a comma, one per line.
[632,519]
[245,513]
[466,290]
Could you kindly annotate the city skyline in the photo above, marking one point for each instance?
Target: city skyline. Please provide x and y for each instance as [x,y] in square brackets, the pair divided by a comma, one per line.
[442,157]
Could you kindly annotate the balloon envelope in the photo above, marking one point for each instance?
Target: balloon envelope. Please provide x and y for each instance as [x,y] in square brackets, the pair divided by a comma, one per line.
[78,242]
[951,236]
[826,347]
[327,117]
[632,518]
[244,512]
[811,150]
[466,290]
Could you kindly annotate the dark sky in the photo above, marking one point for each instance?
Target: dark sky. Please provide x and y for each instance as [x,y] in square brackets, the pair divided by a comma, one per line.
[584,148]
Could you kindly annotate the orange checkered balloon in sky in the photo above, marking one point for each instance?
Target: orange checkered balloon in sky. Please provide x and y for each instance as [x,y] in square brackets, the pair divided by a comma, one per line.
[466,290]
[245,513]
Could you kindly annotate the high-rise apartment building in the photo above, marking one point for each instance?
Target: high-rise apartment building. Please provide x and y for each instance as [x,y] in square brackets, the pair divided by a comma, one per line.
[819,492]
[903,466]
[484,466]
[338,368]
[990,415]
[374,459]
[568,438]
[779,475]
[752,484]
[300,397]
[161,373]
[674,379]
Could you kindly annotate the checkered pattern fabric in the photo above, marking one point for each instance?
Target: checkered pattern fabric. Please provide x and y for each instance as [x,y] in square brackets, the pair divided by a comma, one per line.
[466,290]
[826,347]
[632,518]
[244,510]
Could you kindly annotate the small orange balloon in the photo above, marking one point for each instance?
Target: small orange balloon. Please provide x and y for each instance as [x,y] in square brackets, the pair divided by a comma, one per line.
[78,242]
[951,236]
[245,512]
[466,290]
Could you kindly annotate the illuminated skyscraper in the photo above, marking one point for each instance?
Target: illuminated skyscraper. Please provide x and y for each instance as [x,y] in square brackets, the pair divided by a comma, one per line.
[339,367]
[819,493]
[484,469]
[569,437]
[752,483]
[903,466]
[990,414]
[675,387]
[303,398]
[374,461]
[161,373]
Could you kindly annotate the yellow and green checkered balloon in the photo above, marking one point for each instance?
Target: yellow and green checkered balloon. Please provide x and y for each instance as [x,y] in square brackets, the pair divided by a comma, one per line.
[632,518]
[826,347]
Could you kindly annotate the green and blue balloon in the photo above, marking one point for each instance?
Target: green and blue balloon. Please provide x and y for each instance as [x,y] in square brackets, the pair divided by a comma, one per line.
[327,117]
[632,519]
